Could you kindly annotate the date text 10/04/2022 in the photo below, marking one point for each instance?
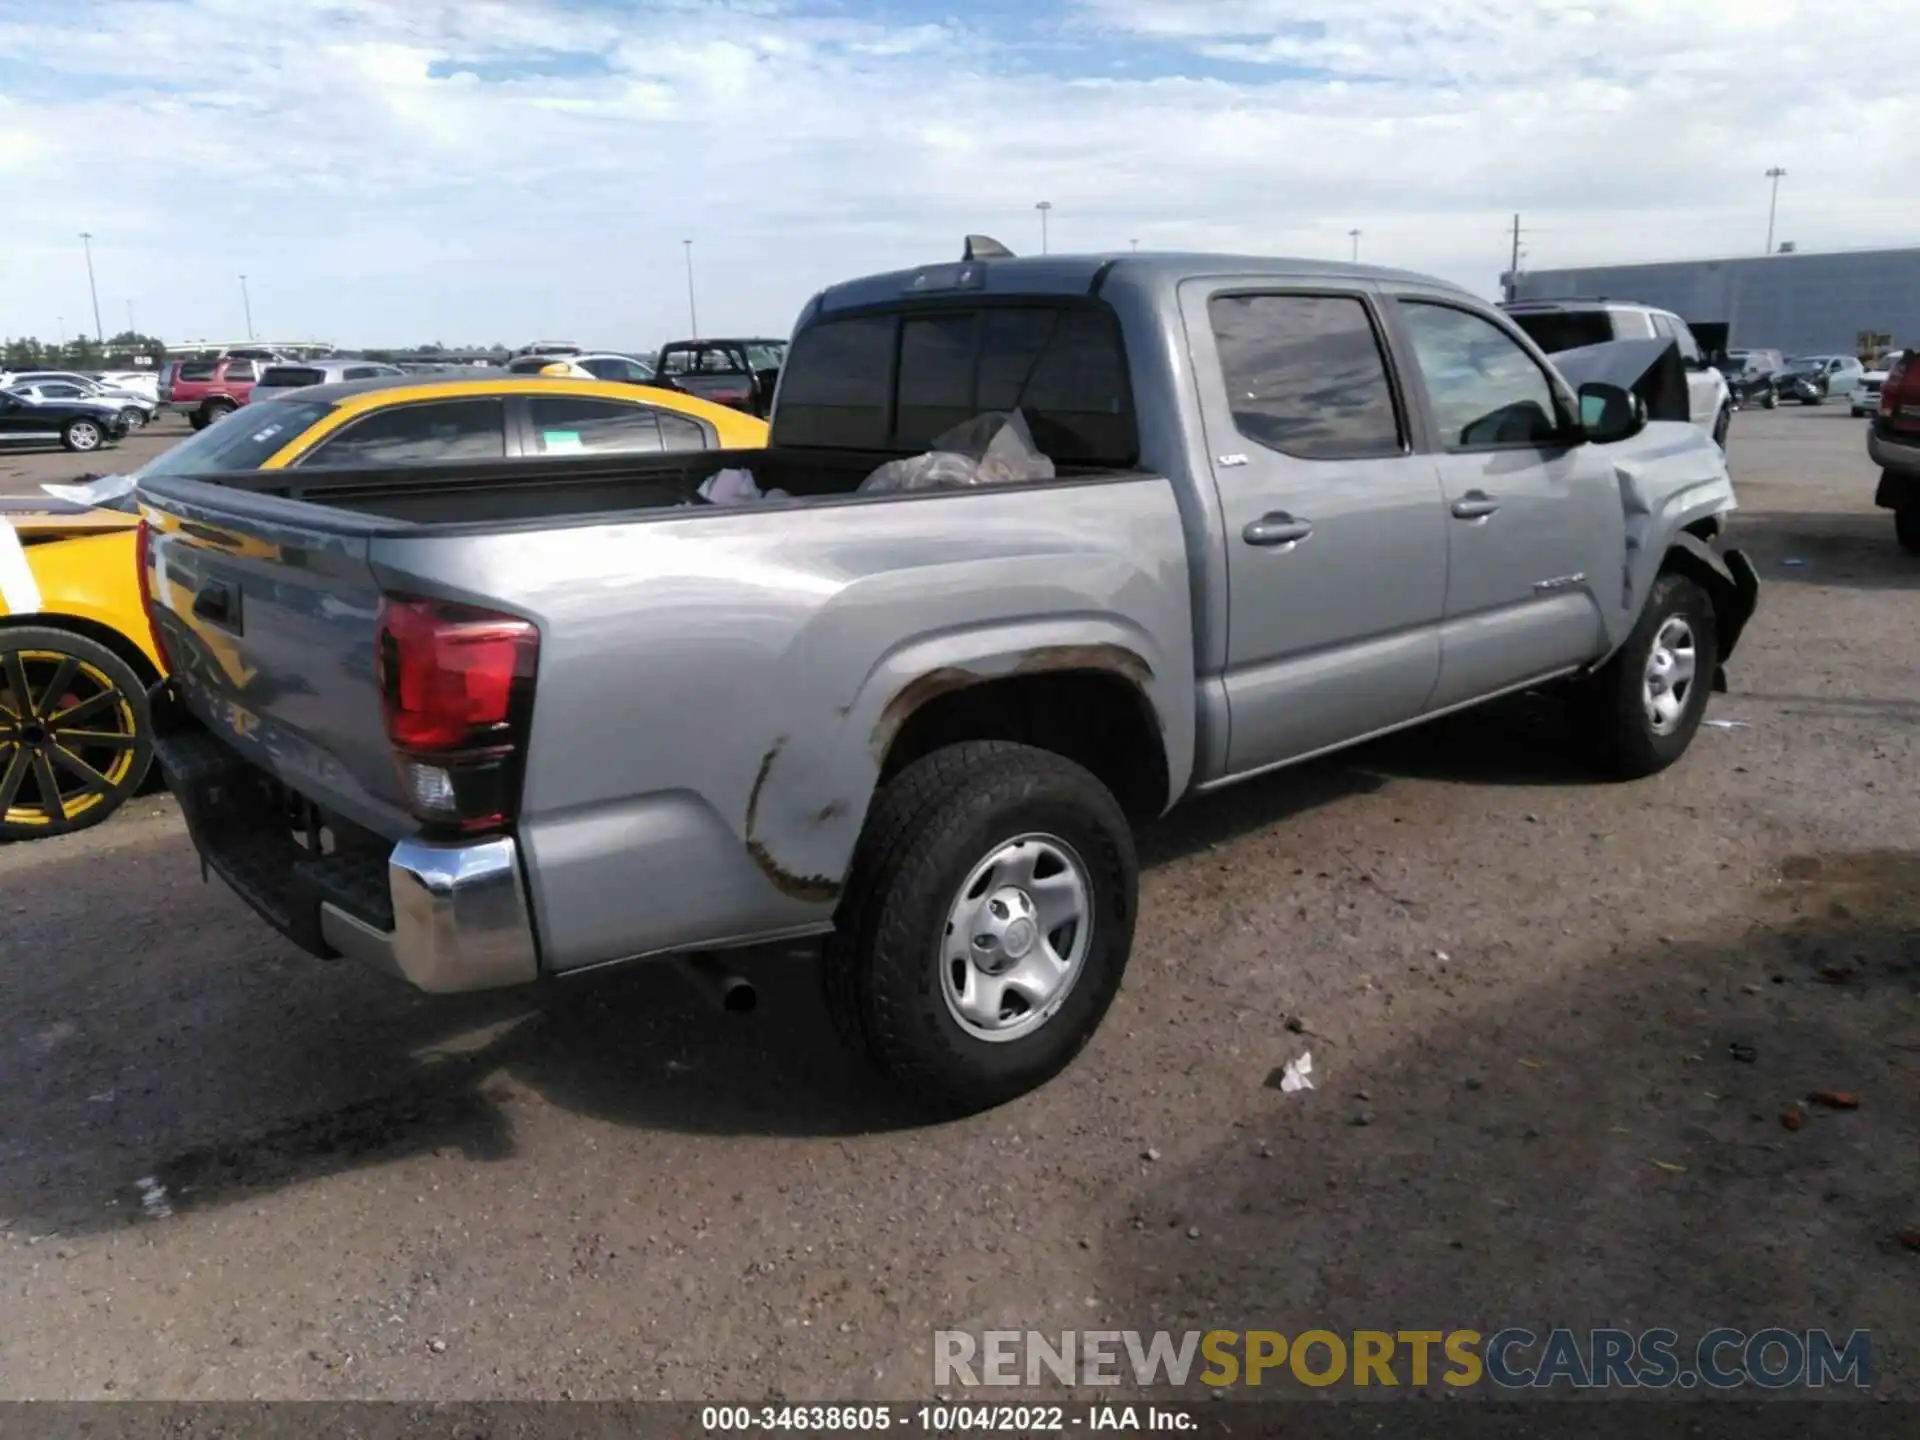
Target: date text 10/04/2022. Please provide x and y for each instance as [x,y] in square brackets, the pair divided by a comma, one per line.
[945,1419]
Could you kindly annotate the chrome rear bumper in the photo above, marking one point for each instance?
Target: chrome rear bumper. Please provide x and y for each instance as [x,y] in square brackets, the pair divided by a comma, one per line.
[460,919]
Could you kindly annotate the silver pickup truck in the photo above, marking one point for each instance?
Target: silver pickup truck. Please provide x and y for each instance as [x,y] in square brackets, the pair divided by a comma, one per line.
[490,724]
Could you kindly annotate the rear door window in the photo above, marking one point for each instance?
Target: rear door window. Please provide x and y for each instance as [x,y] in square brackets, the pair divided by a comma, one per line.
[195,370]
[677,432]
[1557,330]
[437,433]
[1306,375]
[574,425]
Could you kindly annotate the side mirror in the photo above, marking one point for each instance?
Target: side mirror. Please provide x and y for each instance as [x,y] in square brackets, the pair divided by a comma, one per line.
[1609,414]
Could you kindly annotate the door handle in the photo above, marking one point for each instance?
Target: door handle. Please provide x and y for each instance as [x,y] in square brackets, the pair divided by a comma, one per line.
[1474,505]
[1277,528]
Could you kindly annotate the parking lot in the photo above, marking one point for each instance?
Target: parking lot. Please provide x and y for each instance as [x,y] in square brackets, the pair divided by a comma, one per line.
[1553,1024]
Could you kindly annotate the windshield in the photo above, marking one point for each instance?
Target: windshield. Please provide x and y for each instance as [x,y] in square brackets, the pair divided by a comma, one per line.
[243,440]
[1802,363]
[1557,330]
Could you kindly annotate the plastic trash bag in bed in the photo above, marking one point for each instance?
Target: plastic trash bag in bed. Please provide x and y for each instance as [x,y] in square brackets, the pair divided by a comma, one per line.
[995,448]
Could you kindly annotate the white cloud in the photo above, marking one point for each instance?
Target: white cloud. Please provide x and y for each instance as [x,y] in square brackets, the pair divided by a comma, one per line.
[312,147]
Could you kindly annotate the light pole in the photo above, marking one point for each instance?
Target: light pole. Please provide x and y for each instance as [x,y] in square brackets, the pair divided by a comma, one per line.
[1356,244]
[246,303]
[131,330]
[86,241]
[1043,207]
[1134,243]
[1773,205]
[693,313]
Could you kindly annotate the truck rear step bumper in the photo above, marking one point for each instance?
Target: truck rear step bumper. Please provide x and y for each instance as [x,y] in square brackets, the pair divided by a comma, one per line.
[445,917]
[460,919]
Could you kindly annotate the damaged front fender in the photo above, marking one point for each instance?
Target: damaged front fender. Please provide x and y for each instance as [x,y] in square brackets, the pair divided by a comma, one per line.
[1731,583]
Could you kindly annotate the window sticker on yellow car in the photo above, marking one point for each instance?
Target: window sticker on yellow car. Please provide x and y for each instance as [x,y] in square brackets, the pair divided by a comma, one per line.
[560,442]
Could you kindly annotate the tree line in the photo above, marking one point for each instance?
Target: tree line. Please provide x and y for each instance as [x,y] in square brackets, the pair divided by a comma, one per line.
[83,352]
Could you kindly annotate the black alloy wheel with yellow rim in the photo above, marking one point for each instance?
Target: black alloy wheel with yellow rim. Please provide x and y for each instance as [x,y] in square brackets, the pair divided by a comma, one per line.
[74,733]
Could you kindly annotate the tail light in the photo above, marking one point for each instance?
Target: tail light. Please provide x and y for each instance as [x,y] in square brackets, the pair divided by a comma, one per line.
[456,685]
[1905,375]
[144,558]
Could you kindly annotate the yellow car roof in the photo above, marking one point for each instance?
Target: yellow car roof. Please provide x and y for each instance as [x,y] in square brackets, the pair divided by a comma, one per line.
[356,397]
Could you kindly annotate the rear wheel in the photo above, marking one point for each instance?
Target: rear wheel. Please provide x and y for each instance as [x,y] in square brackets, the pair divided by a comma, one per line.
[1906,528]
[986,924]
[134,416]
[1769,401]
[82,435]
[216,409]
[75,740]
[197,419]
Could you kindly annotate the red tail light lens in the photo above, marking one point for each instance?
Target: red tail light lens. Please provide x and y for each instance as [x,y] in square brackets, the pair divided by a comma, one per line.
[456,684]
[144,558]
[1903,374]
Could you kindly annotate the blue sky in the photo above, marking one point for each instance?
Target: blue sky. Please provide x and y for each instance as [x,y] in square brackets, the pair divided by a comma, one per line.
[391,171]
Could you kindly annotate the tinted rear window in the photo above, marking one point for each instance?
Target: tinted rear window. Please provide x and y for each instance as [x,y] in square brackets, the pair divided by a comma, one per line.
[196,370]
[894,382]
[278,375]
[243,440]
[1555,330]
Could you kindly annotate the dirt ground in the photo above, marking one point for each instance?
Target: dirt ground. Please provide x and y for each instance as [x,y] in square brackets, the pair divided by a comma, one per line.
[1553,1025]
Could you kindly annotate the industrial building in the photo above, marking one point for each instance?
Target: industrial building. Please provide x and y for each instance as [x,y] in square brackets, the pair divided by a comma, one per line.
[1802,303]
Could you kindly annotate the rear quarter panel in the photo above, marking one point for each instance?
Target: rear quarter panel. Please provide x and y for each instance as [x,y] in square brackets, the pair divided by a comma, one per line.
[92,578]
[717,690]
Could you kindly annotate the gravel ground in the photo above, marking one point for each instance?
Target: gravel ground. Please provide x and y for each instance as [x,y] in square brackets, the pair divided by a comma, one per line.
[1553,1025]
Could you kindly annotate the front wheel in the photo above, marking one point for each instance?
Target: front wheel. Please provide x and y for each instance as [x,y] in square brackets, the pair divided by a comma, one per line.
[1769,402]
[986,924]
[82,436]
[1906,528]
[1640,711]
[75,739]
[134,417]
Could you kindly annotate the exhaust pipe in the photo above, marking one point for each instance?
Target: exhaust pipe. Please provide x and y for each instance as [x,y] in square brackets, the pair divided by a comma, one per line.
[726,990]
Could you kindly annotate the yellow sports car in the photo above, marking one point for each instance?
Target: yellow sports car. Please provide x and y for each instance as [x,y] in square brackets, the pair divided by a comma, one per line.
[76,655]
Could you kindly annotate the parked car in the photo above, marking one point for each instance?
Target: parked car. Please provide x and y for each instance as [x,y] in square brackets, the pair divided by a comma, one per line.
[1557,325]
[136,410]
[94,385]
[1810,379]
[145,383]
[1749,376]
[1893,443]
[599,366]
[740,373]
[80,423]
[206,390]
[1267,509]
[297,374]
[1864,397]
[72,594]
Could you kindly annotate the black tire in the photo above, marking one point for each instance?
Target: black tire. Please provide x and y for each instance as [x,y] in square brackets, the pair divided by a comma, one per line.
[1906,528]
[1611,709]
[197,419]
[83,436]
[929,829]
[134,417]
[216,410]
[107,702]
[1769,401]
[1813,399]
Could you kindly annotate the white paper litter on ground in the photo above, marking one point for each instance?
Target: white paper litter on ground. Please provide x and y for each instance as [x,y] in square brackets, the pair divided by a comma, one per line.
[1294,1076]
[153,1198]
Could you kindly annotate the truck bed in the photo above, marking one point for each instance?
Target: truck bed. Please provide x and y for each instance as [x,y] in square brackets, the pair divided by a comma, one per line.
[576,488]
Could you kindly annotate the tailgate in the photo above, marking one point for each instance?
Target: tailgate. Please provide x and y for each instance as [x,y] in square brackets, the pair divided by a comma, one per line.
[268,610]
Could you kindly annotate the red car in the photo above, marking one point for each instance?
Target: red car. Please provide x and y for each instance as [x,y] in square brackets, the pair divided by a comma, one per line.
[1893,443]
[204,390]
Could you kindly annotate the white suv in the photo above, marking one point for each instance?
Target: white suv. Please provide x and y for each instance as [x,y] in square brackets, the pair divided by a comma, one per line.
[1568,324]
